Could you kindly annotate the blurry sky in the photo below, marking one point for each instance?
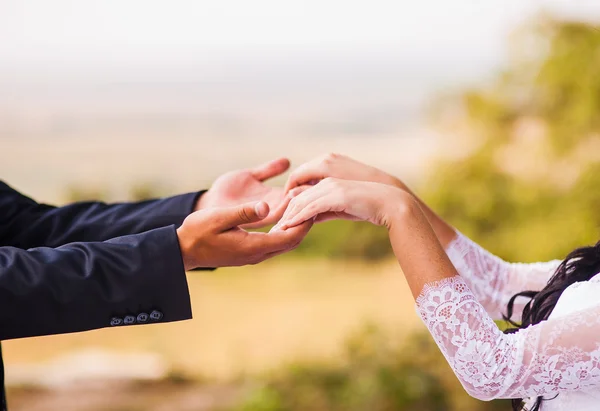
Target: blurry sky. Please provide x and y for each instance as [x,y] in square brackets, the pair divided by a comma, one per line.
[39,38]
[257,49]
[97,75]
[224,62]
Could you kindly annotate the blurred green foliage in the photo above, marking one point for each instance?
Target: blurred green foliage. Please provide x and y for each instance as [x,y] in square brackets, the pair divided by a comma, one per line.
[531,188]
[375,374]
[346,240]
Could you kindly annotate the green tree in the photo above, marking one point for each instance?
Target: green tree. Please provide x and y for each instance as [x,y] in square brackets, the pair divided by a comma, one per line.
[530,189]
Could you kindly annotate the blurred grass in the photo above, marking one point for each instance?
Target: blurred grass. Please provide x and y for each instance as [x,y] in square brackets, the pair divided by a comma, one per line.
[377,373]
[251,319]
[286,335]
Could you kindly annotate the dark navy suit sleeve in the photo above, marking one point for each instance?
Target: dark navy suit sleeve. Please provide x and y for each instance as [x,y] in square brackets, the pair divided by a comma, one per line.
[26,224]
[128,280]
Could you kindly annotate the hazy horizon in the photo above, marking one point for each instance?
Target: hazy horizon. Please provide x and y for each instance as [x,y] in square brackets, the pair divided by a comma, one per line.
[175,93]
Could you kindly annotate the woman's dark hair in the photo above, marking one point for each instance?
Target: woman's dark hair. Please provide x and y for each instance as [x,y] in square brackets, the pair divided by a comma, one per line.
[580,265]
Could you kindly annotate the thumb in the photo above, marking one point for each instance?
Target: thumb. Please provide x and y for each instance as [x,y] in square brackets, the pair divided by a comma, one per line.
[241,214]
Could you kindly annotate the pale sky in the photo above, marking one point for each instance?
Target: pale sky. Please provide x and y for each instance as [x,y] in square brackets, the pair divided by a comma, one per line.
[66,35]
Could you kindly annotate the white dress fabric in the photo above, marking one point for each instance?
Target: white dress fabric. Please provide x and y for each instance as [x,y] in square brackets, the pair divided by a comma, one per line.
[558,356]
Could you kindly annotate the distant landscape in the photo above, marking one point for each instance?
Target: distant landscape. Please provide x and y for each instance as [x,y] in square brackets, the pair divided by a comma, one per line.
[179,130]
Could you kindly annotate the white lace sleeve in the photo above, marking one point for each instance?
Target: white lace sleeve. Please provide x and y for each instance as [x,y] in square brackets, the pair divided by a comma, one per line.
[495,281]
[554,356]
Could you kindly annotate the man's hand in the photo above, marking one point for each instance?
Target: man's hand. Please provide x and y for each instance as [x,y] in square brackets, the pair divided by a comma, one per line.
[243,186]
[212,237]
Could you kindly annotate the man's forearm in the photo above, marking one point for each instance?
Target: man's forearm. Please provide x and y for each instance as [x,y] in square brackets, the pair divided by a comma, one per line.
[129,280]
[27,224]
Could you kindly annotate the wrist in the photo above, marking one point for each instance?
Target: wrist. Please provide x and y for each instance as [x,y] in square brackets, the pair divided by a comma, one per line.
[203,201]
[398,208]
[185,246]
[396,182]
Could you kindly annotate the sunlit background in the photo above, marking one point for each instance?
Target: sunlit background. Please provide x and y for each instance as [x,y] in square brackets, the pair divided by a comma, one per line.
[121,100]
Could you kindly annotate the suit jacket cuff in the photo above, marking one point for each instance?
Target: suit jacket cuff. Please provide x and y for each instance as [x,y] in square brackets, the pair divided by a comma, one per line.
[170,293]
[181,205]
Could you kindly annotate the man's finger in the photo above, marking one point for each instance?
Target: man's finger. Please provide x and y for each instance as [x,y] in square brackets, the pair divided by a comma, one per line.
[266,243]
[272,254]
[227,218]
[274,215]
[271,169]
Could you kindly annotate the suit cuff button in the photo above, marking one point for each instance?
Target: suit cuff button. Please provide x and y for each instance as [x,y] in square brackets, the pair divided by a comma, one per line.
[114,321]
[142,318]
[128,320]
[156,315]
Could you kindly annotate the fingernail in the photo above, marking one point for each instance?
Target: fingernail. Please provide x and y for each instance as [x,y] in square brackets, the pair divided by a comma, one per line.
[262,209]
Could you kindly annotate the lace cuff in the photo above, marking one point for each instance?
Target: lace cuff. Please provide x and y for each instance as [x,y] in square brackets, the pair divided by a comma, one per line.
[494,281]
[553,356]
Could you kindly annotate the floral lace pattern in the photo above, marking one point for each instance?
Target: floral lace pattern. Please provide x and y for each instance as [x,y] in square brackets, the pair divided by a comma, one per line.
[554,356]
[494,281]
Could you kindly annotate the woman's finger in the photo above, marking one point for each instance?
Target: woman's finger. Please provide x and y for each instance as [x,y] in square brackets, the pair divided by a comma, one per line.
[335,215]
[307,172]
[274,215]
[294,192]
[294,206]
[280,211]
[300,202]
[327,204]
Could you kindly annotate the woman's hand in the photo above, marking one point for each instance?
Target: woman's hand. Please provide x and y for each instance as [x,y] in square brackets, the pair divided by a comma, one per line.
[338,166]
[345,168]
[348,199]
[412,237]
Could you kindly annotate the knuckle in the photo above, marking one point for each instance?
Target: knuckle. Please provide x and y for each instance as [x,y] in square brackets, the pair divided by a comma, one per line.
[293,208]
[247,250]
[295,175]
[312,207]
[331,157]
[243,214]
[333,183]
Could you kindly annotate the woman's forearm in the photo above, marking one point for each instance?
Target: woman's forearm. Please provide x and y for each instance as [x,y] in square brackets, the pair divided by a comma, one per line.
[417,245]
[541,360]
[492,280]
[444,231]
